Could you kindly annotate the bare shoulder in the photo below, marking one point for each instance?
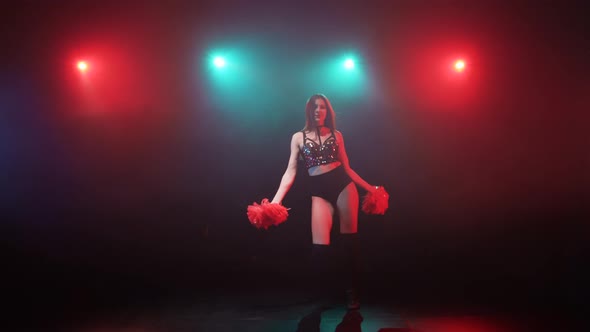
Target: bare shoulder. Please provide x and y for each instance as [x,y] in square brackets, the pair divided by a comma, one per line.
[338,134]
[297,138]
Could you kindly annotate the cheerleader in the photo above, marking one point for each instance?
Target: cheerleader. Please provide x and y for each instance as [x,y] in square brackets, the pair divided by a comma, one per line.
[333,188]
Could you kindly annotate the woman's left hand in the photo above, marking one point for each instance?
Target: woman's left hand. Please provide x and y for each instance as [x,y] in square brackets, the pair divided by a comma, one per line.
[372,189]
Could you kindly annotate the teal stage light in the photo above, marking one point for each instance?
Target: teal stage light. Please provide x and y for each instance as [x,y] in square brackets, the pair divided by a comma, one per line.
[349,64]
[219,62]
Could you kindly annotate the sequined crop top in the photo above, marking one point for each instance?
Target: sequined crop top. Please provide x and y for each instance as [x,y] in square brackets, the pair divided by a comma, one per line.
[324,153]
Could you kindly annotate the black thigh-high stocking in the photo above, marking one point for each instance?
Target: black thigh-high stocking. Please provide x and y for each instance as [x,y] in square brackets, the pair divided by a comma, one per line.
[350,268]
[321,275]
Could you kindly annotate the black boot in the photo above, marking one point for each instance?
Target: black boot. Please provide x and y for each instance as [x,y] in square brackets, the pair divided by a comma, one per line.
[321,274]
[350,269]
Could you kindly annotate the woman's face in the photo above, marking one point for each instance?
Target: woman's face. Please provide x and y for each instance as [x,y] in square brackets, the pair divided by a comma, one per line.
[320,111]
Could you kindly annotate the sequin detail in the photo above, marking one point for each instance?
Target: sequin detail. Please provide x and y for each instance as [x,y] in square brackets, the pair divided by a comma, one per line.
[315,154]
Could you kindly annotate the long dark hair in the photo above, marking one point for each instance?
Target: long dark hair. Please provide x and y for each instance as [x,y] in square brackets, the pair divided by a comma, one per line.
[330,121]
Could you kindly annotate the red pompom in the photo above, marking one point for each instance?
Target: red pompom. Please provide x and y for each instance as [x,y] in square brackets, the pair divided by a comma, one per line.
[376,202]
[267,214]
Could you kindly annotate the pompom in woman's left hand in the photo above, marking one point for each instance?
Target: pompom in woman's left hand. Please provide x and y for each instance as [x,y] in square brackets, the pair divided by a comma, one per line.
[376,201]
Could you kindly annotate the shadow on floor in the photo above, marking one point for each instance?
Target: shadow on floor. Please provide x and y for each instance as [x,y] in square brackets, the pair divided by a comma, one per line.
[351,322]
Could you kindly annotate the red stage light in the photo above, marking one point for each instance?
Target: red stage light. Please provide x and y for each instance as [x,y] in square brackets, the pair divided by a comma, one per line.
[459,65]
[82,66]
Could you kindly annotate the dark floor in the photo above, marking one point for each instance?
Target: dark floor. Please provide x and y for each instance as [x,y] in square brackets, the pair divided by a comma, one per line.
[235,291]
[284,310]
[248,312]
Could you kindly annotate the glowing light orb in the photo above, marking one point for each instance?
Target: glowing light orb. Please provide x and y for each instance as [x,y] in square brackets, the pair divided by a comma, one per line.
[82,66]
[349,64]
[459,65]
[219,62]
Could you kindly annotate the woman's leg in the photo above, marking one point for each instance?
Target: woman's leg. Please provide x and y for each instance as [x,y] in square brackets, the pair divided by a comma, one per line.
[348,205]
[321,220]
[348,209]
[321,254]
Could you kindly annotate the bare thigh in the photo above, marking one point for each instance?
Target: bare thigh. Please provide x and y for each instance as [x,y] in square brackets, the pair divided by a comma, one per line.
[348,208]
[321,220]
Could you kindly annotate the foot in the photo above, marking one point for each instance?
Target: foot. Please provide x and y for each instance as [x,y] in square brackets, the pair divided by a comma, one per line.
[352,299]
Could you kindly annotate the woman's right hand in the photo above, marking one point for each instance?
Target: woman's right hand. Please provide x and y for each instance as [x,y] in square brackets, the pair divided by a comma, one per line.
[372,189]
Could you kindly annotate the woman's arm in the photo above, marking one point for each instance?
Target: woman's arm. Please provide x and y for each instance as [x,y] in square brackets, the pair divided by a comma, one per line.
[344,160]
[290,173]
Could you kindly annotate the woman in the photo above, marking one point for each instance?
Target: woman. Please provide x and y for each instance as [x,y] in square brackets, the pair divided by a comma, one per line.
[333,190]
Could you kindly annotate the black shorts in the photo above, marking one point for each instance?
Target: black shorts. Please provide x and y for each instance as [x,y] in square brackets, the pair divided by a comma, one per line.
[329,185]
